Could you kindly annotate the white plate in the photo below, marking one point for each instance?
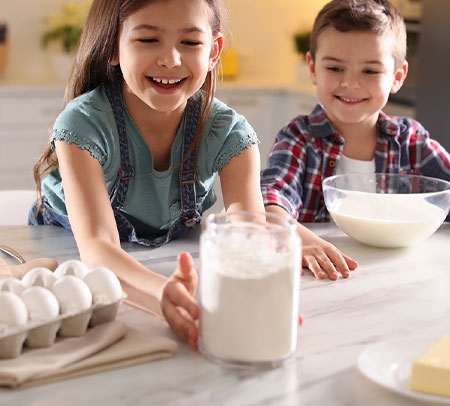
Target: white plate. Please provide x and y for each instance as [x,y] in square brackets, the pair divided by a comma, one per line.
[389,365]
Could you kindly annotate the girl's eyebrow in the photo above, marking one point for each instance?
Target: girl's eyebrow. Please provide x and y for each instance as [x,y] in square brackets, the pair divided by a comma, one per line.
[156,28]
[146,27]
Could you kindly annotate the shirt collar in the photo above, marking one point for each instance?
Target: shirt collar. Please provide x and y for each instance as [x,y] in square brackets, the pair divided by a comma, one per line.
[319,123]
[387,125]
[322,127]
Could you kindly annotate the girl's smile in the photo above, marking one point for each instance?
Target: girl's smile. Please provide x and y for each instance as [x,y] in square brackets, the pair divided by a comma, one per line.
[166,85]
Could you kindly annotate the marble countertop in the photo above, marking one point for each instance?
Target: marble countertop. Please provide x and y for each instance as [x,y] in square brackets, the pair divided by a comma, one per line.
[395,294]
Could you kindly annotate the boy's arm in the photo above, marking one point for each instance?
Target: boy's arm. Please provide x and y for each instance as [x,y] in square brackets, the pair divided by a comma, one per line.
[319,256]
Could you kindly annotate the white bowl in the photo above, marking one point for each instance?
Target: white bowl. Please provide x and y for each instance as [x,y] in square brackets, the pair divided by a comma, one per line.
[387,210]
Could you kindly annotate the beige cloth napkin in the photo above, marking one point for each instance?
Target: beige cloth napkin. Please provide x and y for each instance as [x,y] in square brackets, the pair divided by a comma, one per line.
[107,346]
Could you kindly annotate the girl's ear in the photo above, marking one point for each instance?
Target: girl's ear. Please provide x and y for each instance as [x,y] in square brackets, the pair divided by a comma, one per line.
[312,68]
[216,50]
[114,61]
[399,77]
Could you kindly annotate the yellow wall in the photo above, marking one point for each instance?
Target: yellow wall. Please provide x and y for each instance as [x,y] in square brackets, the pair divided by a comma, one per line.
[262,33]
[262,36]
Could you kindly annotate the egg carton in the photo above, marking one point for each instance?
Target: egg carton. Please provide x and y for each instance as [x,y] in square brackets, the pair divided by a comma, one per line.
[70,291]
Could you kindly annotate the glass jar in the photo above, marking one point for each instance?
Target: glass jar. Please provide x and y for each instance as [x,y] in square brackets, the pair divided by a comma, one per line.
[250,267]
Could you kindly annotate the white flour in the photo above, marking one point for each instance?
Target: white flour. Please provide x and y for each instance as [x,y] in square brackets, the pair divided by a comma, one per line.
[249,298]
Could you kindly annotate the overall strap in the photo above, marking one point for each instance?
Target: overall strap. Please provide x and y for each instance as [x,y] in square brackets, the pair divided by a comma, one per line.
[126,170]
[188,172]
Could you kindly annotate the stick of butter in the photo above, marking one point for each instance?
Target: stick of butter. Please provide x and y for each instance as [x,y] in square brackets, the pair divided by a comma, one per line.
[430,372]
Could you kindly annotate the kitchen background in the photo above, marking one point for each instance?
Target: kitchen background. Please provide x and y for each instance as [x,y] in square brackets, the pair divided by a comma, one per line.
[267,82]
[262,33]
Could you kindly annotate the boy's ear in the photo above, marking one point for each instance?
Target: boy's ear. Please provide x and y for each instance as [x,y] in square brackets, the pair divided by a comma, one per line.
[216,50]
[312,68]
[399,77]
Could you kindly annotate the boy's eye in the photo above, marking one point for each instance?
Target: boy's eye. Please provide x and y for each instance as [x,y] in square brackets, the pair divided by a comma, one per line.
[371,72]
[334,69]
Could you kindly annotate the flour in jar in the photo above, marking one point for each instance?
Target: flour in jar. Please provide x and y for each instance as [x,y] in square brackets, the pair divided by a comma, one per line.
[249,298]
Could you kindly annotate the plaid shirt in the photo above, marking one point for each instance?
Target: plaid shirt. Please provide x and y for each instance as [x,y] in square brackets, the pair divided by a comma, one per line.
[308,150]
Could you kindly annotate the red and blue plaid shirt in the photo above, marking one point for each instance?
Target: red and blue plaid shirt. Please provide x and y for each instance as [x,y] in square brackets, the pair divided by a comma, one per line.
[308,150]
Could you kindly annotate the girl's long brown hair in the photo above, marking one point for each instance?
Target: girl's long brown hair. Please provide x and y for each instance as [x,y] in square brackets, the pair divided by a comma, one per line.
[92,68]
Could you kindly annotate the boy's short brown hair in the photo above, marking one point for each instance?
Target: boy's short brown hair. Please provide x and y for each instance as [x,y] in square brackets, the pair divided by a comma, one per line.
[376,16]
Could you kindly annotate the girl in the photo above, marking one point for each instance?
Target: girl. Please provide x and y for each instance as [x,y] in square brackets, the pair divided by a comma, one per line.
[134,154]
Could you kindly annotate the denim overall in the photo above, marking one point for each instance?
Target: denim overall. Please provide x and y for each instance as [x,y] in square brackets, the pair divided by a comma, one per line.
[131,229]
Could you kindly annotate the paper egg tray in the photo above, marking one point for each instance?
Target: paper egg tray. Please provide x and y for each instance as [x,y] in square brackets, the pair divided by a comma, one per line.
[43,334]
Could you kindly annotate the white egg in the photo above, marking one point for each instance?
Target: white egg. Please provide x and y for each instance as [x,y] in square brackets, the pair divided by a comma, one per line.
[72,293]
[13,311]
[104,285]
[72,267]
[11,285]
[39,277]
[40,302]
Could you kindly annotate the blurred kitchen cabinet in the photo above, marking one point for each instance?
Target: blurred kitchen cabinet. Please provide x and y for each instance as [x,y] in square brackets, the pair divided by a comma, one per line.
[267,110]
[26,116]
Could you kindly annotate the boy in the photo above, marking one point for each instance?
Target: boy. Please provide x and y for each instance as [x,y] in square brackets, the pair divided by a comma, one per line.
[356,59]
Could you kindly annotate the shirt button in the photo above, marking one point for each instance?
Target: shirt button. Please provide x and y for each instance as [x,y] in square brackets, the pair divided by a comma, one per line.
[337,139]
[332,164]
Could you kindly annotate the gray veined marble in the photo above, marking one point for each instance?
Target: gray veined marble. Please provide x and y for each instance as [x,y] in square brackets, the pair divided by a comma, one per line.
[395,294]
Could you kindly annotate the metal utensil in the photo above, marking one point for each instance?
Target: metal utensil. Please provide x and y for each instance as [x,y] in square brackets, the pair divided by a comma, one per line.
[13,253]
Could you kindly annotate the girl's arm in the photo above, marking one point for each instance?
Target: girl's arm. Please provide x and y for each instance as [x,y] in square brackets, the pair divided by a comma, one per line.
[320,256]
[239,180]
[95,231]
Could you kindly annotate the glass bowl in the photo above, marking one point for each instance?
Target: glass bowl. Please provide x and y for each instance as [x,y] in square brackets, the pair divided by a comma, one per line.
[387,210]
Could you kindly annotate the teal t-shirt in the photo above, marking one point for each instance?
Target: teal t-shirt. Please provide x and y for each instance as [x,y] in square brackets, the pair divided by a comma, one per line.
[153,196]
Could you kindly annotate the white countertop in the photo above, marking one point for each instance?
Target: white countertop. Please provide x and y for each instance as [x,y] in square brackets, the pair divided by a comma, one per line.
[395,294]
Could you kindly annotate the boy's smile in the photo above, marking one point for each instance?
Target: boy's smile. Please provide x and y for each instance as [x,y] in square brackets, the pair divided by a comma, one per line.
[354,73]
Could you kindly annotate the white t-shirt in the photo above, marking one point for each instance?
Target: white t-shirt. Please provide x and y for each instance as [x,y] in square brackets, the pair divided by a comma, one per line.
[348,165]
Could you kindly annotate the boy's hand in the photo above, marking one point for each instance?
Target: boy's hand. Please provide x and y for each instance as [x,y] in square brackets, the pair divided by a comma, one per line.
[178,304]
[323,258]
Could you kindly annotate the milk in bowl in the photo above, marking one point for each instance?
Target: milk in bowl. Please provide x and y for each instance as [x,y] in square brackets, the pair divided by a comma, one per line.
[387,210]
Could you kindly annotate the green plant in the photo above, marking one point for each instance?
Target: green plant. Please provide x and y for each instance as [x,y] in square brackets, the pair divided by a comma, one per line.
[301,40]
[66,26]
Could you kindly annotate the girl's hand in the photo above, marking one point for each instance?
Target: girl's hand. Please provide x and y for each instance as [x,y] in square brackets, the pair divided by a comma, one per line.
[178,304]
[323,258]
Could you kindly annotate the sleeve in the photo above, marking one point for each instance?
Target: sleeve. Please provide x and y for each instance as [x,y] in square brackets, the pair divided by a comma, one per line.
[90,127]
[428,155]
[431,158]
[282,180]
[226,135]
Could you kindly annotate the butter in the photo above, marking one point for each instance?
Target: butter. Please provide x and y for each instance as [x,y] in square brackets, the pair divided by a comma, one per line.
[430,372]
